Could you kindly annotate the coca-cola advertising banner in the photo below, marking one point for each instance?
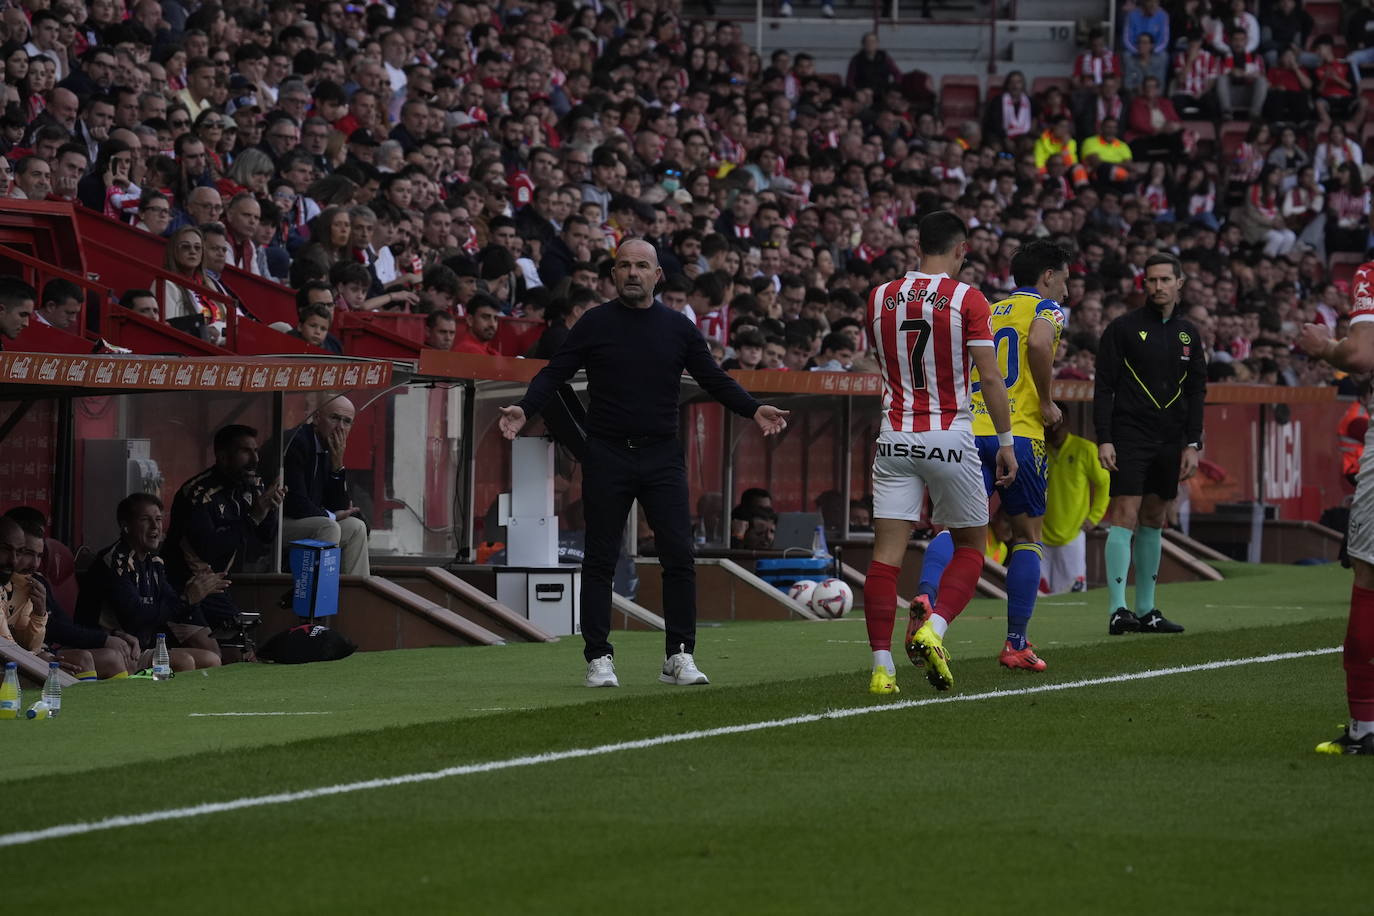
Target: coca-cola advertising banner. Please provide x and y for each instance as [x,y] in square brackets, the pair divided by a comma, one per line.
[162,373]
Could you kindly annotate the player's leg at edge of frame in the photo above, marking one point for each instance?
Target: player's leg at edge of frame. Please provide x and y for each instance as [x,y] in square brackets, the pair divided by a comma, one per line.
[1357,737]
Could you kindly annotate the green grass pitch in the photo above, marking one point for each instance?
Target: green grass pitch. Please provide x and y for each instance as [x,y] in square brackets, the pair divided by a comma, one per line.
[1192,793]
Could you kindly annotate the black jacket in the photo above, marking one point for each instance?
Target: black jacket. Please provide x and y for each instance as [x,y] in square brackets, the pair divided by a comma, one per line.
[312,487]
[121,591]
[1151,380]
[212,524]
[63,630]
[529,222]
[557,262]
[634,359]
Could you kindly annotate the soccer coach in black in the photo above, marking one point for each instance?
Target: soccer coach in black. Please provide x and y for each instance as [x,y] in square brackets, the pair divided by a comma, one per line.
[634,349]
[1151,385]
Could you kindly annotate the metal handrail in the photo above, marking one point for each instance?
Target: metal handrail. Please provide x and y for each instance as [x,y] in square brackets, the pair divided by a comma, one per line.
[43,270]
[229,302]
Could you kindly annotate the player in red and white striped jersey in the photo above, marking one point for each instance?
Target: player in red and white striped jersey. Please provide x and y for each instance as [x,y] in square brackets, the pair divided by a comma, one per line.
[927,330]
[922,326]
[1355,354]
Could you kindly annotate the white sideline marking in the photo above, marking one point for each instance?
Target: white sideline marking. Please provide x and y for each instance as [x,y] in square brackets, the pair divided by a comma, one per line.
[1257,607]
[208,715]
[490,766]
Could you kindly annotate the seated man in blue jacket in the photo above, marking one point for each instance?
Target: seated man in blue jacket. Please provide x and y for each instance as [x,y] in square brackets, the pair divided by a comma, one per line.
[126,589]
[317,506]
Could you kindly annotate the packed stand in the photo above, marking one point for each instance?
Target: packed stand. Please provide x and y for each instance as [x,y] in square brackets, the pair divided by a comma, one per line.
[475,164]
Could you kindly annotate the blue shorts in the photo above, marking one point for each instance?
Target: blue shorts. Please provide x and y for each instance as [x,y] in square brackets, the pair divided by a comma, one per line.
[1026,496]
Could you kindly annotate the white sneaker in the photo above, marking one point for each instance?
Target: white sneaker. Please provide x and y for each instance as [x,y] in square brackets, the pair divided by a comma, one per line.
[785,9]
[682,670]
[601,672]
[828,10]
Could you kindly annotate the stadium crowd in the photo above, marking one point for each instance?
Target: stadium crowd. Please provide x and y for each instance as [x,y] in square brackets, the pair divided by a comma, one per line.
[474,161]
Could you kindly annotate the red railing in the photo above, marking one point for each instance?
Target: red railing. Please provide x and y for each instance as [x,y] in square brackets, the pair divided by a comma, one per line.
[119,252]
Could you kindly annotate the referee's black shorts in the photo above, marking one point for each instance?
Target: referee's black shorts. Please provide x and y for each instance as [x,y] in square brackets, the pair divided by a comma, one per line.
[1145,467]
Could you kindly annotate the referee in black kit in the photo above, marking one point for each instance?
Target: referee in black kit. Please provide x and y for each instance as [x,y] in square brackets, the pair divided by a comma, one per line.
[634,349]
[1150,388]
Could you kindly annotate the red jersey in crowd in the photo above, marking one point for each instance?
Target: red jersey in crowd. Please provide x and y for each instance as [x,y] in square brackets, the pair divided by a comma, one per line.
[1195,79]
[1251,65]
[1362,293]
[920,327]
[466,343]
[1096,68]
[1333,80]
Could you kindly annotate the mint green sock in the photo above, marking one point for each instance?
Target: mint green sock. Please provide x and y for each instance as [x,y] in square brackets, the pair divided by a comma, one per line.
[1118,566]
[1148,545]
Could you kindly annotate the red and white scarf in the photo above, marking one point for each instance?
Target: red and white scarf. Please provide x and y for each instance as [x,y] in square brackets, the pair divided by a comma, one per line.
[1016,115]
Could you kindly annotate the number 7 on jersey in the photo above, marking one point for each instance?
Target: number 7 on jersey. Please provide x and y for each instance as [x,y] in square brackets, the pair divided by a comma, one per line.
[918,349]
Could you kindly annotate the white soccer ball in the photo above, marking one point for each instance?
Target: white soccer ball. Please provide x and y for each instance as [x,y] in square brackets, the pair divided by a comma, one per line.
[801,592]
[832,598]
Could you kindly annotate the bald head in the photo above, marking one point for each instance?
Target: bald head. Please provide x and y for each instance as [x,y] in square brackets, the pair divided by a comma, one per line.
[204,205]
[127,137]
[335,418]
[637,273]
[63,105]
[638,248]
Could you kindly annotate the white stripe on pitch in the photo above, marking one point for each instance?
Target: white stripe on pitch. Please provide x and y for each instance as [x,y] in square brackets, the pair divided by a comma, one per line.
[283,798]
[215,715]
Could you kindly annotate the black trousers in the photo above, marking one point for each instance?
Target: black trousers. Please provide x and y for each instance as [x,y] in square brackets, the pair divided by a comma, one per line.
[614,475]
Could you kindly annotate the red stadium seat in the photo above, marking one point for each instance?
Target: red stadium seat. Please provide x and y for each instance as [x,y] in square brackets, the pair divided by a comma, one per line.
[919,89]
[1232,136]
[1206,133]
[1366,134]
[1343,266]
[1326,20]
[959,97]
[59,567]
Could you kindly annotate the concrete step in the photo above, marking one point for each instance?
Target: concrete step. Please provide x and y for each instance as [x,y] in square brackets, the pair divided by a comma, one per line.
[811,9]
[840,39]
[1032,50]
[1096,10]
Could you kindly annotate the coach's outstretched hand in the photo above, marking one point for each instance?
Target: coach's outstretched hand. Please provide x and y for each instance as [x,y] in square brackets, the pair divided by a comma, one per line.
[512,421]
[771,420]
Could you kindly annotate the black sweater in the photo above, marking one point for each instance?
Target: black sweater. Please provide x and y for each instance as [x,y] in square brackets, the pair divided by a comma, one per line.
[634,360]
[1151,381]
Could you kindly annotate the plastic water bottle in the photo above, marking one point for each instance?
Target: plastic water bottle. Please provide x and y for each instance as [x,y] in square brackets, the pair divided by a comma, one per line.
[40,710]
[819,548]
[52,689]
[11,697]
[162,660]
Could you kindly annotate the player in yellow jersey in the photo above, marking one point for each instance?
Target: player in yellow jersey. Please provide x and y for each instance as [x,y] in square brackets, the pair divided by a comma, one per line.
[1026,328]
